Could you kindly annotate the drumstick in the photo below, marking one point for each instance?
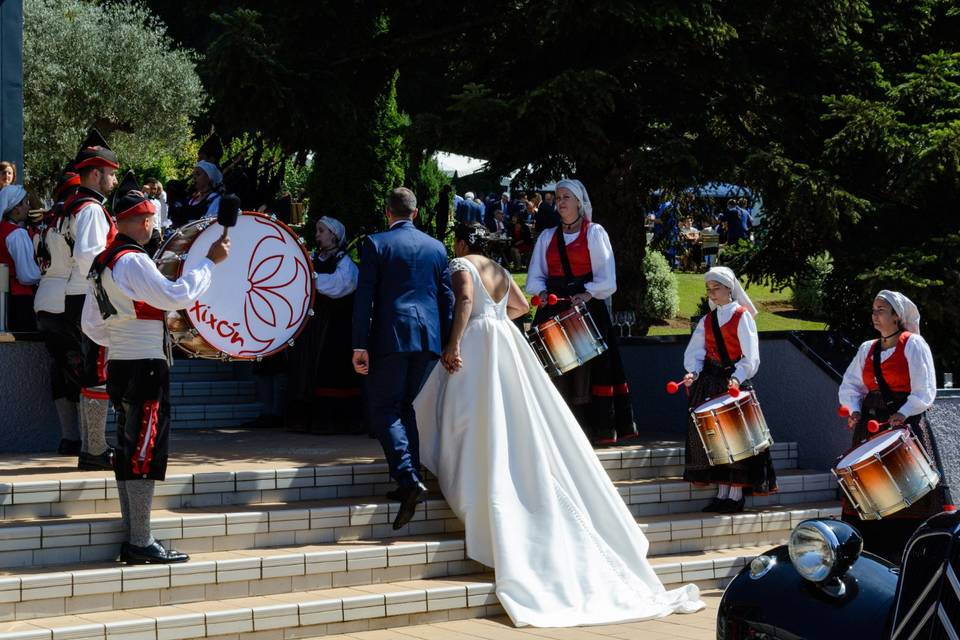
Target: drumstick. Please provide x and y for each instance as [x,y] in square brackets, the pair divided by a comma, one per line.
[537,301]
[873,426]
[843,411]
[673,387]
[733,392]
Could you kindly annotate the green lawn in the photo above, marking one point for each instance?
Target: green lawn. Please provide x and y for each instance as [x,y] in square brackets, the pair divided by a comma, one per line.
[776,312]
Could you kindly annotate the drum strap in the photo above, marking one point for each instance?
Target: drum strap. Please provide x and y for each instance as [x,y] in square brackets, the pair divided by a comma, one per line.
[718,338]
[878,374]
[564,259]
[96,274]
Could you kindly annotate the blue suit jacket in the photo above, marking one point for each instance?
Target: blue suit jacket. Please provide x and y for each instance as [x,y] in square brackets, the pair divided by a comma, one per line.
[404,302]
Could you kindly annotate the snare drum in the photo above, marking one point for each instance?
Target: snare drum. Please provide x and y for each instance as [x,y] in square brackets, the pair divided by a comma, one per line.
[885,474]
[567,340]
[732,429]
[260,297]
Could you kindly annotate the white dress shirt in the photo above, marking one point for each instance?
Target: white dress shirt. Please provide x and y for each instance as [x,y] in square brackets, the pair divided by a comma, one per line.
[923,382]
[89,229]
[136,275]
[604,268]
[20,248]
[749,363]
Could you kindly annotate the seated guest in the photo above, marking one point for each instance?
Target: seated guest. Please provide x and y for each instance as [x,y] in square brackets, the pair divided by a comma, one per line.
[521,242]
[16,251]
[497,224]
[323,389]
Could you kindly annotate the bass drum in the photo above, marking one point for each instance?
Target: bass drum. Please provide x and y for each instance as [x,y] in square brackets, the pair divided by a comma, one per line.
[260,298]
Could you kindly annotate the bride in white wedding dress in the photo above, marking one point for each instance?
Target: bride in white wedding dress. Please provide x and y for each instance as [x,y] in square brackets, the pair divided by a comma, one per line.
[515,466]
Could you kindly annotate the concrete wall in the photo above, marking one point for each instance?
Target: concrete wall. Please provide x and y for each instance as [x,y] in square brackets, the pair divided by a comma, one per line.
[799,399]
[28,420]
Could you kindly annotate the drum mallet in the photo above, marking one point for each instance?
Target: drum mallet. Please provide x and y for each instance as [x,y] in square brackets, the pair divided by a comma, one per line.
[733,392]
[873,426]
[843,411]
[228,212]
[537,301]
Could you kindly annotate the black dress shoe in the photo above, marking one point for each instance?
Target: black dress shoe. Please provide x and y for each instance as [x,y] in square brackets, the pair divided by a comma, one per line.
[69,447]
[714,505]
[731,506]
[155,553]
[409,496]
[90,462]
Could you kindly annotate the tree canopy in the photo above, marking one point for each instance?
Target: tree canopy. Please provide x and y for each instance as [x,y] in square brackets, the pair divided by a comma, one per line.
[110,65]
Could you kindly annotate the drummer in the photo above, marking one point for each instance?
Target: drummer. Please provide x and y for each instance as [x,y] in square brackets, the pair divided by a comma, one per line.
[892,380]
[724,354]
[577,265]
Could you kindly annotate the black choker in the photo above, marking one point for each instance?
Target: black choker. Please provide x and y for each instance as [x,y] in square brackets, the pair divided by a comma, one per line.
[579,217]
[897,332]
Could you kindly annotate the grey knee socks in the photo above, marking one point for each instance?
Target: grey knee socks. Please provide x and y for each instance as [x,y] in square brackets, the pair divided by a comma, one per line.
[68,412]
[124,507]
[139,503]
[93,425]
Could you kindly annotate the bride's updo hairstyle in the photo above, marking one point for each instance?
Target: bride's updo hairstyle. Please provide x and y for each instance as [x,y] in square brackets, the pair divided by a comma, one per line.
[473,234]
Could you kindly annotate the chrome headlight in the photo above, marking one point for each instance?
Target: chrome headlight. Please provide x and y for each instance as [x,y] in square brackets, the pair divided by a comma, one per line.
[824,549]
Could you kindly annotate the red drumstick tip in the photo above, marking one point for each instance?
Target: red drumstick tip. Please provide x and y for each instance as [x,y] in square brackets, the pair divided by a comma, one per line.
[672,387]
[535,301]
[733,392]
[873,426]
[843,411]
[949,508]
[551,299]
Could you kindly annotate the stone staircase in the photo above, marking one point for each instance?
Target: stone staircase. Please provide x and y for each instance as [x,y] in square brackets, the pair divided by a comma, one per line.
[301,550]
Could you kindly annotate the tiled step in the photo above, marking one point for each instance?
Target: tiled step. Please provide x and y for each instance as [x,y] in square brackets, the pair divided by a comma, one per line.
[275,617]
[97,493]
[213,392]
[205,416]
[45,542]
[240,574]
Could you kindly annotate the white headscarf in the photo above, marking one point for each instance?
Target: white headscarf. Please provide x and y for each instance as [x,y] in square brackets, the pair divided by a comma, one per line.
[212,172]
[726,277]
[10,196]
[336,228]
[580,193]
[905,309]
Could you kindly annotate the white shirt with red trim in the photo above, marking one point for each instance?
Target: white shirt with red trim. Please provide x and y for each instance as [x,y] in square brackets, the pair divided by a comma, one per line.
[602,264]
[133,283]
[90,230]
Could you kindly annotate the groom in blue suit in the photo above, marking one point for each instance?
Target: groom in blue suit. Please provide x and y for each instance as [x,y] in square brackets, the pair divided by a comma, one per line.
[401,318]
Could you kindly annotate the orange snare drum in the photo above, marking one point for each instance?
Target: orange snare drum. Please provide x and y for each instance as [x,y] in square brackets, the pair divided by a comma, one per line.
[885,474]
[566,341]
[732,429]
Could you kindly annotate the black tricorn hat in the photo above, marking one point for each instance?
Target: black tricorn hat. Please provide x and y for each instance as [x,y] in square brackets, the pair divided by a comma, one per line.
[129,200]
[211,149]
[94,152]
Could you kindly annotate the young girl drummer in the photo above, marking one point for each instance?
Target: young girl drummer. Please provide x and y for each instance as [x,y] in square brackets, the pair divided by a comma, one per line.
[724,354]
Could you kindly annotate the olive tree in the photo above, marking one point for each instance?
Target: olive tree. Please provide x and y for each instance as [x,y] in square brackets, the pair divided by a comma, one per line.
[109,65]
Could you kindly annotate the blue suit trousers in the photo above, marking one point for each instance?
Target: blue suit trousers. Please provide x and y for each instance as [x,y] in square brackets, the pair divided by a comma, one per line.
[394,381]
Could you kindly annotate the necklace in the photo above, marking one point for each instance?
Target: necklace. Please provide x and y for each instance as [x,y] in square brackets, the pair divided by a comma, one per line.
[572,224]
[892,335]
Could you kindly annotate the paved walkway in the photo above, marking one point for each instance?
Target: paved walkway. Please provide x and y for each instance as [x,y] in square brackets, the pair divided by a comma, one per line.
[697,626]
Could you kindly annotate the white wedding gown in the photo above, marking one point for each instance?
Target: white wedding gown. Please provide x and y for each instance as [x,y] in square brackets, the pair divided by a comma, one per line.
[537,506]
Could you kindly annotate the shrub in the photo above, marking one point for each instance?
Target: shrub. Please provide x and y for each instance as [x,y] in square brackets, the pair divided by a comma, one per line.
[661,301]
[808,296]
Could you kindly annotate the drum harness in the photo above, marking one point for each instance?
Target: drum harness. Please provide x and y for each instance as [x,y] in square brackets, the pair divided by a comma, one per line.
[103,300]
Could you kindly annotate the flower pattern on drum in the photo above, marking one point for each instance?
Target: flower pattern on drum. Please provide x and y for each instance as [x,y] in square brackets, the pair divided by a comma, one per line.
[260,296]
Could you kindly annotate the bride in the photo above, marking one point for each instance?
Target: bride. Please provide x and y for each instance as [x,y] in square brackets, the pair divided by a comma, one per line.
[515,466]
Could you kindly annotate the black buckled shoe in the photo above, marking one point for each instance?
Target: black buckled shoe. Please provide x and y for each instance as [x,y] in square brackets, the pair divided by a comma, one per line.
[714,505]
[731,506]
[409,497]
[69,447]
[90,462]
[155,553]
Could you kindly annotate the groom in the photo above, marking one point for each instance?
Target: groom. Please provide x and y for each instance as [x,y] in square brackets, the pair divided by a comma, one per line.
[401,316]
